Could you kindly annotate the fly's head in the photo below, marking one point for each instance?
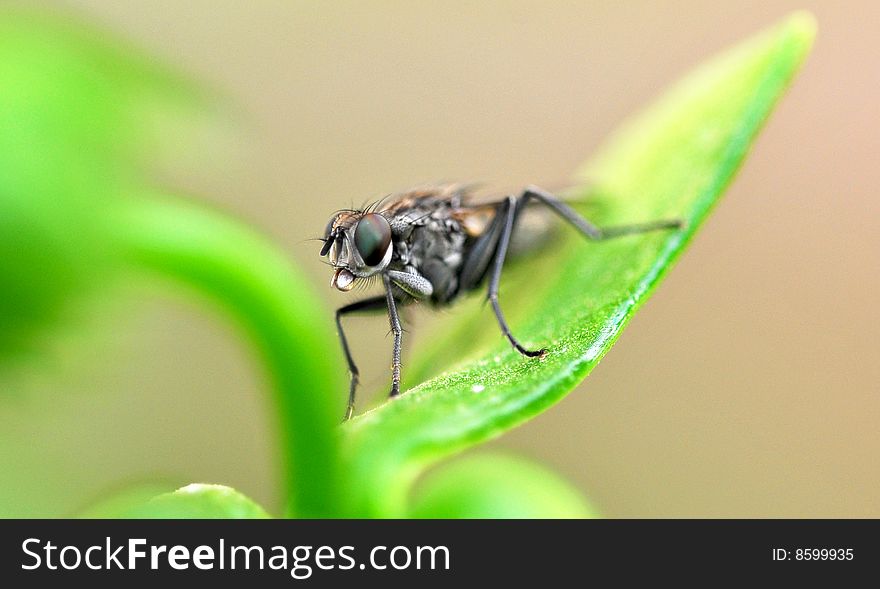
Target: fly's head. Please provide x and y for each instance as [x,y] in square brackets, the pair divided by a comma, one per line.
[359,246]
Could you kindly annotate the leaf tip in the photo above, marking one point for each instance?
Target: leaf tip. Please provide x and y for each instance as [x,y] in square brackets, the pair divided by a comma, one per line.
[799,29]
[802,24]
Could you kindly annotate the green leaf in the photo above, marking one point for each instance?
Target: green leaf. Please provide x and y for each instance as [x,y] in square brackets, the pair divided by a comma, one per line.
[78,215]
[497,486]
[73,101]
[672,161]
[194,501]
[256,286]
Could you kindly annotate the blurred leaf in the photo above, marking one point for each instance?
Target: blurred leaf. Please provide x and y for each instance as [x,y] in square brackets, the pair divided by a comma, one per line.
[77,210]
[194,501]
[117,504]
[257,286]
[672,161]
[497,486]
[72,105]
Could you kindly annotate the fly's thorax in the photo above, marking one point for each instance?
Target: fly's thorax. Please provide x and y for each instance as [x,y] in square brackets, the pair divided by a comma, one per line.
[434,250]
[439,239]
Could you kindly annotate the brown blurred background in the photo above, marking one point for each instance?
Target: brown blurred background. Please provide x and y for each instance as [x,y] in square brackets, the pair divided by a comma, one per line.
[747,386]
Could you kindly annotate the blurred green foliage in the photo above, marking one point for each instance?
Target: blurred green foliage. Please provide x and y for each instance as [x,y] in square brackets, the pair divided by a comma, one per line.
[496,486]
[72,109]
[79,213]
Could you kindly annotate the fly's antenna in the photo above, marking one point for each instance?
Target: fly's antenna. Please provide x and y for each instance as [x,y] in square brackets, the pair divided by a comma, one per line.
[328,243]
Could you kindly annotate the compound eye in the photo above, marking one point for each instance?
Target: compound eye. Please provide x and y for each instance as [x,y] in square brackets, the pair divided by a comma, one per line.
[372,236]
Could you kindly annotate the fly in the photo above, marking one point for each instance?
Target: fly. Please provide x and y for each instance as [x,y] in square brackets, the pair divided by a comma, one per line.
[433,245]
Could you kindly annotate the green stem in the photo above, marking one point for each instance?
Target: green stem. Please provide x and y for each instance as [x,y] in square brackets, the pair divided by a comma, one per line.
[257,286]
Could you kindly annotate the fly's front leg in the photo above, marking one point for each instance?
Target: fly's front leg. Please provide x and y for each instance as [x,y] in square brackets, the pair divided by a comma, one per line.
[412,283]
[394,319]
[367,305]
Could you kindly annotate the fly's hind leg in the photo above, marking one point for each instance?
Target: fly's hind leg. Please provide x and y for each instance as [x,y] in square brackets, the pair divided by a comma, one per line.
[588,229]
[508,213]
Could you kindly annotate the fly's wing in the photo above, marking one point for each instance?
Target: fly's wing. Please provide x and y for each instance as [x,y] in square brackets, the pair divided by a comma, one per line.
[484,225]
[452,195]
[483,222]
[535,227]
